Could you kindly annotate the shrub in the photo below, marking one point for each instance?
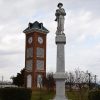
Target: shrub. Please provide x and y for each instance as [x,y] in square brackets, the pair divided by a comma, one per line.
[15,94]
[94,95]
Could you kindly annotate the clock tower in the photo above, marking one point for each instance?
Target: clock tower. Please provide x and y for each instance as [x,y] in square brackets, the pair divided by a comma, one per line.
[35,54]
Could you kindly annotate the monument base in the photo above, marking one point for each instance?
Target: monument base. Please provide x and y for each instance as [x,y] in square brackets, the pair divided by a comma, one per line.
[60,98]
[60,86]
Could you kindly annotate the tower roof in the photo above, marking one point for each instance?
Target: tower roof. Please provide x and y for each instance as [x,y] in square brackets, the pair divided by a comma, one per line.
[36,27]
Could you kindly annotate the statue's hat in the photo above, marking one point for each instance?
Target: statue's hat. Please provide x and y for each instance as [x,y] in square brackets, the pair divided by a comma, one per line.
[60,4]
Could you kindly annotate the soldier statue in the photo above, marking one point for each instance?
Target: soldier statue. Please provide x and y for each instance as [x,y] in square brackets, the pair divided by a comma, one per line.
[60,13]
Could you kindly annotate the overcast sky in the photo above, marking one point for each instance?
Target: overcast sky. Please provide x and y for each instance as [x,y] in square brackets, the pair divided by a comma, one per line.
[82,29]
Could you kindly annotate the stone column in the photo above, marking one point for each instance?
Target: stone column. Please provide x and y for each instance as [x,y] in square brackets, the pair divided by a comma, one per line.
[60,41]
[60,68]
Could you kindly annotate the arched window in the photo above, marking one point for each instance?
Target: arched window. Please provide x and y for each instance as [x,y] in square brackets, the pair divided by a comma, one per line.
[29,81]
[39,81]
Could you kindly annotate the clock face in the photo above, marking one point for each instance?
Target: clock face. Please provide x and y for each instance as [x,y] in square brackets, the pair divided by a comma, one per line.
[40,40]
[30,40]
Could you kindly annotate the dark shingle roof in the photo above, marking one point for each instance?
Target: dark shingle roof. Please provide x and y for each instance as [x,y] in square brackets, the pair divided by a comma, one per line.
[36,26]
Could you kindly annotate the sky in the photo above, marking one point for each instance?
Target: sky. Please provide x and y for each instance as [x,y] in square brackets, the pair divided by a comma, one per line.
[82,29]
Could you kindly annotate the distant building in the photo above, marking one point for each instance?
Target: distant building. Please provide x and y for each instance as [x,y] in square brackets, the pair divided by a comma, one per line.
[6,84]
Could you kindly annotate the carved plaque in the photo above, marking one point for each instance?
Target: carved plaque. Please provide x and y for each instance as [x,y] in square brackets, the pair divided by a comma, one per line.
[40,65]
[29,52]
[40,52]
[29,64]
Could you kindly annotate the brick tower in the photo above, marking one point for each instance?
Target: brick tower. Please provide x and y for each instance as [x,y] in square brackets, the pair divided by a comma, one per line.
[35,54]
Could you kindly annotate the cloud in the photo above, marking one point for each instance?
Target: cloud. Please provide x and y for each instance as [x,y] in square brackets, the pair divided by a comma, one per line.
[81,29]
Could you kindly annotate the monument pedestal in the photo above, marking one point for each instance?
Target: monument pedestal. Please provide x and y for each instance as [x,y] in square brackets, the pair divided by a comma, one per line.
[60,86]
[60,75]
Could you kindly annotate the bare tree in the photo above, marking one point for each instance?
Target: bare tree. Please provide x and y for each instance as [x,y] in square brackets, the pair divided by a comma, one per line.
[70,80]
[49,82]
[80,79]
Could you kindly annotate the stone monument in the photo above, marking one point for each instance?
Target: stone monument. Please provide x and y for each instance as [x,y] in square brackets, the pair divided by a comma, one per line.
[60,41]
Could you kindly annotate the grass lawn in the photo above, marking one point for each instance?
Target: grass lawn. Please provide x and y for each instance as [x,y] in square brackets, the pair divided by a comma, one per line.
[77,95]
[42,95]
[72,95]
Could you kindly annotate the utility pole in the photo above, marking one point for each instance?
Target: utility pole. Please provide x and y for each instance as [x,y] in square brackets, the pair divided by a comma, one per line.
[95,78]
[2,81]
[89,81]
[2,78]
[70,80]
